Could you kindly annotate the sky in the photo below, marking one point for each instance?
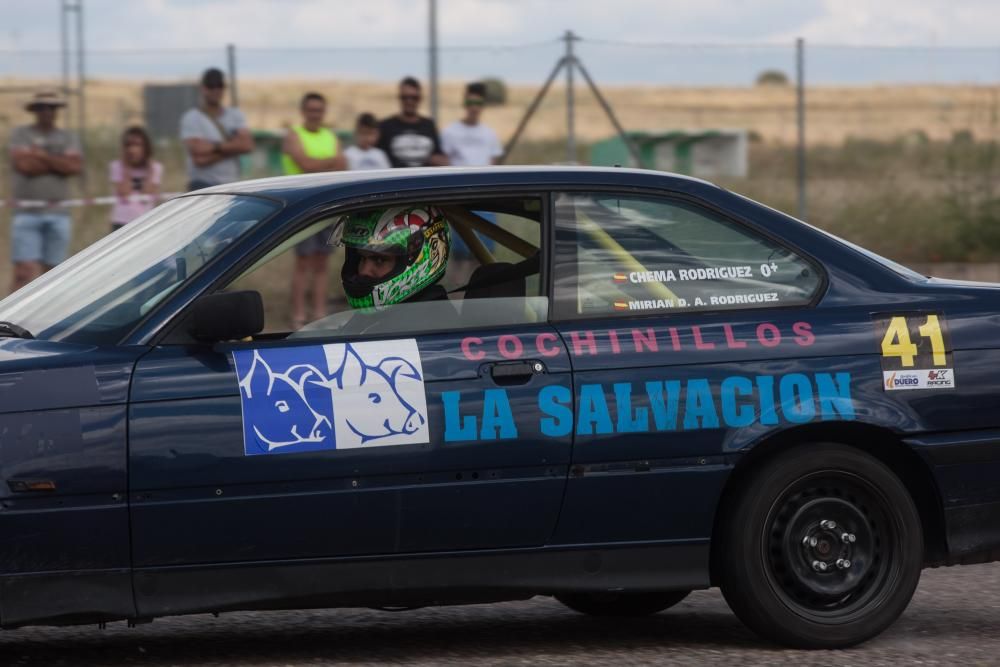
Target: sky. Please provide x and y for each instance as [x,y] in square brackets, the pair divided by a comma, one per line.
[709,42]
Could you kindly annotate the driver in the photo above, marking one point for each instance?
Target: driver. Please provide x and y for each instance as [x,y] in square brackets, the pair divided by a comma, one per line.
[394,255]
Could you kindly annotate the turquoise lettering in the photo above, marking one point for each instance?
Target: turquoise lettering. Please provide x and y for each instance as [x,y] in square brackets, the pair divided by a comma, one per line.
[629,422]
[765,394]
[664,408]
[555,401]
[733,415]
[498,421]
[699,408]
[796,394]
[834,395]
[593,417]
[456,427]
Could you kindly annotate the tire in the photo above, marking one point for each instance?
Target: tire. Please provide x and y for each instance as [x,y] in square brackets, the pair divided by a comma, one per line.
[621,604]
[779,535]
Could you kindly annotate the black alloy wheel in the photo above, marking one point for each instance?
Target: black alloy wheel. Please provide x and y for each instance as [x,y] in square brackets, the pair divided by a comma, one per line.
[621,604]
[821,548]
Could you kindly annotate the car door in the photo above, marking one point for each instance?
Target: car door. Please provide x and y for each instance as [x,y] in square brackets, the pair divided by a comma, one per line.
[332,444]
[687,333]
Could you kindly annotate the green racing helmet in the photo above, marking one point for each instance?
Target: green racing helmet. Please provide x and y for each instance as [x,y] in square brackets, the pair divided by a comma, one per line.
[417,236]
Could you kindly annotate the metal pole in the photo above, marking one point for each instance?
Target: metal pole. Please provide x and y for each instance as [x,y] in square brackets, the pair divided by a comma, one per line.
[531,111]
[81,90]
[234,95]
[611,115]
[433,61]
[570,102]
[64,46]
[800,116]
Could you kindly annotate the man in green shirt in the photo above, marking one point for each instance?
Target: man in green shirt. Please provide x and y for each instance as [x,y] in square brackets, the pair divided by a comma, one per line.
[308,148]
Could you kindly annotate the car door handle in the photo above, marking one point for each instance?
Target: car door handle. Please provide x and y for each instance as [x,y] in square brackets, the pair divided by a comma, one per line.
[515,372]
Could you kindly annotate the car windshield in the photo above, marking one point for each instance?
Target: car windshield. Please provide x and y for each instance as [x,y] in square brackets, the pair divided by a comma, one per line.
[102,292]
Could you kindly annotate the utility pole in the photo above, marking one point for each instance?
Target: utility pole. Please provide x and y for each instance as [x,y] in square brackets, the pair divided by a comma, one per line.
[433,58]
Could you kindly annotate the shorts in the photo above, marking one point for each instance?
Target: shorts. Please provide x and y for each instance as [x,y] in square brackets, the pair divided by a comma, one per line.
[317,244]
[40,237]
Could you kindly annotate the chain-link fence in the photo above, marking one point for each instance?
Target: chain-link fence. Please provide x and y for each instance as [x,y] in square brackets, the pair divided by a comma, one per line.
[899,142]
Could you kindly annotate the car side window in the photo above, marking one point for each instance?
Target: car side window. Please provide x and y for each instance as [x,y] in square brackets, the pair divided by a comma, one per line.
[406,268]
[625,255]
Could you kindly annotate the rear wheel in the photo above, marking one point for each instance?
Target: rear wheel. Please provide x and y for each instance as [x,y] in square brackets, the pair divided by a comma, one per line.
[822,548]
[621,604]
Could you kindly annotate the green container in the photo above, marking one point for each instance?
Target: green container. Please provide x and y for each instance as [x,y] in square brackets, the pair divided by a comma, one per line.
[666,151]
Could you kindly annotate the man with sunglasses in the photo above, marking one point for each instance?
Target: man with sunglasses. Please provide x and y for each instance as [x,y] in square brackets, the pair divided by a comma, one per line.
[467,142]
[43,158]
[409,139]
[214,136]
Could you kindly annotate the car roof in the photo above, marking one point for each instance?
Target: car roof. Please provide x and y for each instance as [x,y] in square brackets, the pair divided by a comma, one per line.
[301,187]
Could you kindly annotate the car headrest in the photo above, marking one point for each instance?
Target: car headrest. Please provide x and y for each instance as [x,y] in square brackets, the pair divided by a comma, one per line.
[488,281]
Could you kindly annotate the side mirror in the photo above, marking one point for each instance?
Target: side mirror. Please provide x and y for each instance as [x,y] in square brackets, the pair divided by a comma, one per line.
[226,316]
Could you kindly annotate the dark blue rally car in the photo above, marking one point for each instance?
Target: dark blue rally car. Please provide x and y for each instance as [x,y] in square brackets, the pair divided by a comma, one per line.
[605,385]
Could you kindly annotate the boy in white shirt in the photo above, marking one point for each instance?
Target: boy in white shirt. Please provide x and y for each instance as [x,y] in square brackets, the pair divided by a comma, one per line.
[363,154]
[467,142]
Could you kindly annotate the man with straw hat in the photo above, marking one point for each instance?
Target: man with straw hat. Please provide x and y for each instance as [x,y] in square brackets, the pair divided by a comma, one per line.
[43,158]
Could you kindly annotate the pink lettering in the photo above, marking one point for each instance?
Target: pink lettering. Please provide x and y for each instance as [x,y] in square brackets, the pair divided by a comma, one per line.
[467,350]
[615,345]
[805,336]
[675,339]
[510,347]
[772,340]
[541,341]
[579,341]
[731,339]
[648,340]
[699,344]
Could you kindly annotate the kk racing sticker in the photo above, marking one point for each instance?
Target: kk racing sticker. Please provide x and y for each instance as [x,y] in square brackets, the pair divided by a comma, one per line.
[915,351]
[328,397]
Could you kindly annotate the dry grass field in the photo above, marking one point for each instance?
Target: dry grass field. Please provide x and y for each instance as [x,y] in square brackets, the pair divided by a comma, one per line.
[834,113]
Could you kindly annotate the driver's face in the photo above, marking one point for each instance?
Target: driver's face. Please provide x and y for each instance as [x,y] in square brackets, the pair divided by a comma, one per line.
[373,265]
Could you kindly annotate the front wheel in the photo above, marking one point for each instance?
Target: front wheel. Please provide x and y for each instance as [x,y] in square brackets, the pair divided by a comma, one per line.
[621,604]
[821,548]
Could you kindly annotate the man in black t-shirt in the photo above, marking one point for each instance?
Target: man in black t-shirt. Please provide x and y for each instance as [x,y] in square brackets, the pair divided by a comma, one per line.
[409,139]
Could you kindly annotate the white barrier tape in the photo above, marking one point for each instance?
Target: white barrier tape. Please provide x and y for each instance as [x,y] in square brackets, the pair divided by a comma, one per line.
[86,201]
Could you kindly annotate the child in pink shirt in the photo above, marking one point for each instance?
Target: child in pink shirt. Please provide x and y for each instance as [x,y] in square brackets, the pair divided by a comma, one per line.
[136,178]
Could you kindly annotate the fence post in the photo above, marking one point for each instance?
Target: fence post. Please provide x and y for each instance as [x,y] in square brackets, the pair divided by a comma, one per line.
[570,101]
[234,95]
[433,59]
[800,117]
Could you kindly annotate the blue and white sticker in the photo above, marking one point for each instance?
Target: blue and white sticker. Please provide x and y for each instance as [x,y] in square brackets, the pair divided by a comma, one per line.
[328,397]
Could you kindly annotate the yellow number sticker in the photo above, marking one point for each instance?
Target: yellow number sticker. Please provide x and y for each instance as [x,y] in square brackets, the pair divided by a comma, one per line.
[897,343]
[931,330]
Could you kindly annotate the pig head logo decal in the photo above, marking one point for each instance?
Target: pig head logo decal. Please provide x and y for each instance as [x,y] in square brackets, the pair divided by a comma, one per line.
[338,396]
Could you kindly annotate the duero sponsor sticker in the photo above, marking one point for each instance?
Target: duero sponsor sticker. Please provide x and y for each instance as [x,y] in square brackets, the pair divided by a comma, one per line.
[935,378]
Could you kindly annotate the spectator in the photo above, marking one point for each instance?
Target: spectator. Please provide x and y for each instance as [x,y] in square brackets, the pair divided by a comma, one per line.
[467,142]
[311,147]
[214,135]
[364,154]
[43,157]
[135,178]
[308,148]
[409,139]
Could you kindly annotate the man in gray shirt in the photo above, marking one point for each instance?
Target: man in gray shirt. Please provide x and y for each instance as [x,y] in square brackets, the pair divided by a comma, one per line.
[43,157]
[214,136]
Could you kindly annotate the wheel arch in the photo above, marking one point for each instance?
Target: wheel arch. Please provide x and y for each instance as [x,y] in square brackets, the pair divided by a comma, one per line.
[885,445]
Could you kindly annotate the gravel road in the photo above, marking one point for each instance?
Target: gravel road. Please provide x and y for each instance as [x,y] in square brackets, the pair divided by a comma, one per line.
[954,619]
